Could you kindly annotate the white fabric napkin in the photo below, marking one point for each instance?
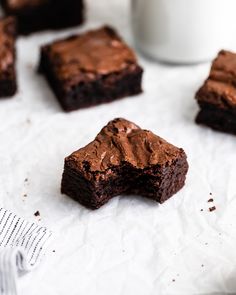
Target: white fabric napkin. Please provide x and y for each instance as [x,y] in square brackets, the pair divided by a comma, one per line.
[22,245]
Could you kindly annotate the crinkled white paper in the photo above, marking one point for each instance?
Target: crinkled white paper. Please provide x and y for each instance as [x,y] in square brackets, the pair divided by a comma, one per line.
[131,245]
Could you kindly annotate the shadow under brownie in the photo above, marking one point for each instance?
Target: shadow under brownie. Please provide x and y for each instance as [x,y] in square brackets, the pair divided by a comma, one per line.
[37,15]
[124,159]
[90,69]
[8,85]
[217,97]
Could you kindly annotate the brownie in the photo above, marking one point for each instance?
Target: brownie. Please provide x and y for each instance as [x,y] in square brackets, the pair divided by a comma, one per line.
[37,15]
[124,159]
[8,83]
[90,69]
[217,97]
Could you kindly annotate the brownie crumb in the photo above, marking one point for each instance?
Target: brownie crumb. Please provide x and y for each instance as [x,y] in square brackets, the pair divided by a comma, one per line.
[201,210]
[210,200]
[173,280]
[37,213]
[210,194]
[26,180]
[25,195]
[212,208]
[206,244]
[202,265]
[53,251]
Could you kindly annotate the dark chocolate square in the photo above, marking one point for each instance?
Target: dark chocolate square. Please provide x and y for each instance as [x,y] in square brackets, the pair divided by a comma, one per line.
[124,159]
[90,69]
[37,15]
[8,85]
[217,97]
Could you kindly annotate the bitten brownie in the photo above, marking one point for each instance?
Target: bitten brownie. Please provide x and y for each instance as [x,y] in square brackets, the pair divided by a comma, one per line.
[90,69]
[8,85]
[37,15]
[124,159]
[217,97]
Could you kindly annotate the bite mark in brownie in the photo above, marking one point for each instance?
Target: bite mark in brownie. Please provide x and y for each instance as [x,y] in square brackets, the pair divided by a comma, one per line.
[8,83]
[90,69]
[124,159]
[37,15]
[217,97]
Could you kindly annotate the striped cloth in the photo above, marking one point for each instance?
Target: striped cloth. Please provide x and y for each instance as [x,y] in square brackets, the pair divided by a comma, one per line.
[22,245]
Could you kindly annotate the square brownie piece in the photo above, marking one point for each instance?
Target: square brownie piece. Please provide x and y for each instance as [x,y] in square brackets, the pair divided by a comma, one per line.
[124,159]
[37,15]
[90,69]
[217,97]
[8,85]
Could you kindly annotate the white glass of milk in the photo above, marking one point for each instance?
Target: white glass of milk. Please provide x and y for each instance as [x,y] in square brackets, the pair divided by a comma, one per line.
[183,31]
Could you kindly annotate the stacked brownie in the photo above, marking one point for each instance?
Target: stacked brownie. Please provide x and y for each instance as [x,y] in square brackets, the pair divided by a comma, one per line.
[37,15]
[8,85]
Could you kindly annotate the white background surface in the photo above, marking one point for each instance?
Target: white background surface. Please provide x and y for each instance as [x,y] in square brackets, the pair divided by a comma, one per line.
[131,245]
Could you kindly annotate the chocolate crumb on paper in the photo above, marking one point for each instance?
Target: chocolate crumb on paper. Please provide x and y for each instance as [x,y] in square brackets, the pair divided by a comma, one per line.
[210,200]
[211,209]
[37,213]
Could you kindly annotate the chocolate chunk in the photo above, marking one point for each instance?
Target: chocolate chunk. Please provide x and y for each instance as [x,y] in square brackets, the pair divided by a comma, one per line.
[217,97]
[8,85]
[37,15]
[90,69]
[124,159]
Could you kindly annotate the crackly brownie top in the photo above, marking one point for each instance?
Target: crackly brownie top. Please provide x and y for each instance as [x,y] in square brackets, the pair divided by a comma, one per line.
[7,41]
[123,141]
[98,51]
[20,4]
[220,87]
